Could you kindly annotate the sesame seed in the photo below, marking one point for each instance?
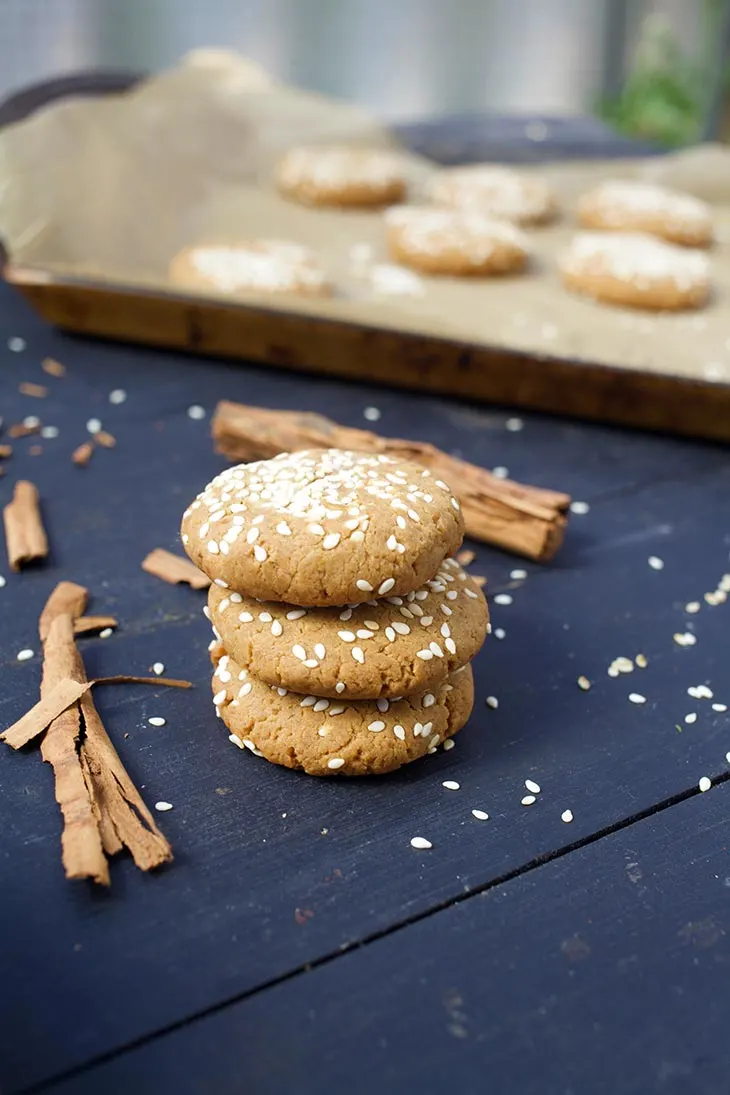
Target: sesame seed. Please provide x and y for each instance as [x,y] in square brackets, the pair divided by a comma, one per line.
[221,583]
[93,425]
[340,687]
[372,414]
[451,785]
[331,540]
[719,707]
[24,655]
[31,421]
[105,632]
[299,652]
[2,581]
[517,575]
[385,587]
[212,547]
[636,697]
[436,649]
[310,663]
[156,720]
[499,633]
[684,638]
[533,787]
[357,536]
[705,783]
[196,412]
[376,726]
[428,700]
[567,816]
[480,815]
[163,807]
[514,425]
[220,697]
[528,800]
[641,661]
[336,762]
[503,599]
[245,617]
[358,655]
[17,344]
[420,843]
[245,689]
[399,733]
[321,705]
[276,628]
[296,614]
[493,702]
[265,617]
[319,650]
[260,553]
[692,607]
[235,741]
[347,636]
[401,628]
[48,433]
[584,683]
[158,668]
[500,472]
[448,745]
[117,396]
[424,655]
[365,586]
[655,562]
[362,633]
[283,529]
[691,718]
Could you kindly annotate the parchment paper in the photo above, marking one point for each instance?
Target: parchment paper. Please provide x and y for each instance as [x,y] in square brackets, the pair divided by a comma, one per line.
[111,188]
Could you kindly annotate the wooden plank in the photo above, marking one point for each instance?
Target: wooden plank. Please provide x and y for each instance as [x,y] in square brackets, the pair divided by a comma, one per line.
[311,343]
[224,919]
[605,971]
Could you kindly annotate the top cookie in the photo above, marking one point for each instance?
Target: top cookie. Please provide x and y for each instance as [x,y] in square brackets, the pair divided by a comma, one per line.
[323,527]
[642,207]
[495,191]
[341,176]
[257,266]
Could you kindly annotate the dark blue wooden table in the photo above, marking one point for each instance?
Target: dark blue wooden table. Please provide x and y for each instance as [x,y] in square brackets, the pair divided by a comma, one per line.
[298,942]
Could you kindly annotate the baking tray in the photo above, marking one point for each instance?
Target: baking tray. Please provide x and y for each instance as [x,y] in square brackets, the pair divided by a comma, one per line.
[304,340]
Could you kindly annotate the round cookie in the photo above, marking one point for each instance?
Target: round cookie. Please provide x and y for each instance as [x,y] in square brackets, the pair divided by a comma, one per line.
[455,242]
[333,738]
[496,192]
[642,207]
[258,266]
[323,527]
[341,176]
[635,270]
[390,647]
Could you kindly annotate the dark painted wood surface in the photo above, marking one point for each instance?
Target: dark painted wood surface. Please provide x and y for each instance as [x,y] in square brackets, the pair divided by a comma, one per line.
[223,920]
[606,971]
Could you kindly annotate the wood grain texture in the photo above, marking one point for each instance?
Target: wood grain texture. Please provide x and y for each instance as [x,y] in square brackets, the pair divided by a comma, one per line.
[306,343]
[234,910]
[603,972]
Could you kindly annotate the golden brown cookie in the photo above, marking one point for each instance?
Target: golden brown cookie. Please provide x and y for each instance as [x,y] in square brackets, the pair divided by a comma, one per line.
[635,270]
[323,527]
[341,176]
[258,266]
[390,647]
[455,242]
[627,206]
[495,191]
[333,737]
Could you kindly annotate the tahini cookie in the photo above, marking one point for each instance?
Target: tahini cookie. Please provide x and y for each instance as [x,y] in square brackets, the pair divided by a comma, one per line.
[384,648]
[258,266]
[496,192]
[333,737]
[323,527]
[635,270]
[455,242]
[628,206]
[341,176]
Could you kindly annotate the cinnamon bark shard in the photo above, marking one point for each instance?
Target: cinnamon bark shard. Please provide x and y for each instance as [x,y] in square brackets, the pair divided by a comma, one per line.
[84,625]
[38,391]
[53,367]
[524,519]
[62,696]
[25,535]
[83,454]
[173,569]
[105,439]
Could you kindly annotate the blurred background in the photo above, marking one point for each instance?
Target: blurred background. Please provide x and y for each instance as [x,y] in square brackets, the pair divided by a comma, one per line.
[654,68]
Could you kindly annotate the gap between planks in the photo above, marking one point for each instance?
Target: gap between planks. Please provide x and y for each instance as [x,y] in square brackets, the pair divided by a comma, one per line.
[374,937]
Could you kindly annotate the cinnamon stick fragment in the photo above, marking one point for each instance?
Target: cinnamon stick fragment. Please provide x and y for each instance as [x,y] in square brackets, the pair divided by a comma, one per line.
[83,454]
[105,439]
[53,367]
[21,430]
[524,519]
[25,535]
[6,451]
[84,625]
[465,557]
[39,718]
[38,391]
[173,569]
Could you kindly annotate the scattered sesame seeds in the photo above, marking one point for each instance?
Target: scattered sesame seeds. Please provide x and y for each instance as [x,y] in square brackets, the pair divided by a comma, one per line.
[641,661]
[518,575]
[372,414]
[691,718]
[448,745]
[514,425]
[335,762]
[24,655]
[420,843]
[503,599]
[499,633]
[567,816]
[196,412]
[480,815]
[31,421]
[636,697]
[48,433]
[583,683]
[117,396]
[451,785]
[579,508]
[3,581]
[105,632]
[163,807]
[158,668]
[358,655]
[705,783]
[500,472]
[236,741]
[533,787]
[156,720]
[655,562]
[17,344]
[365,586]
[721,708]
[528,800]
[692,607]
[93,425]
[684,638]
[493,702]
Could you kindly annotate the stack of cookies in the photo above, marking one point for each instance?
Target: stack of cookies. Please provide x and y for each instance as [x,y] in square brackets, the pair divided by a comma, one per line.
[343,629]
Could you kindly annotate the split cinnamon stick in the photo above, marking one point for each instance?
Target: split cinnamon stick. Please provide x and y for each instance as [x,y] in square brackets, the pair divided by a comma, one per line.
[86,624]
[25,535]
[174,568]
[524,519]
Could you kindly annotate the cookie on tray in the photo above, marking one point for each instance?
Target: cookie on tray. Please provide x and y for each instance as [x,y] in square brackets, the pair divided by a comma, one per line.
[387,647]
[495,191]
[333,737]
[628,206]
[323,527]
[454,242]
[636,270]
[257,266]
[341,176]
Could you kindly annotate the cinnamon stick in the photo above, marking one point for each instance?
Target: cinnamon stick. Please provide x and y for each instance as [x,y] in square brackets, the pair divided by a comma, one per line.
[24,533]
[53,367]
[85,624]
[6,451]
[81,455]
[38,391]
[174,568]
[523,519]
[105,439]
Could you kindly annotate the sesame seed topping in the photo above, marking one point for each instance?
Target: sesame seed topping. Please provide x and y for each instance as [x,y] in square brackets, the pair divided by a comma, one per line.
[480,815]
[265,617]
[235,740]
[364,585]
[448,745]
[310,663]
[401,628]
[24,655]
[436,649]
[705,783]
[579,508]
[320,650]
[163,807]
[245,689]
[385,587]
[283,529]
[299,652]
[245,617]
[276,628]
[636,697]
[219,698]
[362,633]
[493,702]
[156,720]
[655,562]
[420,843]
[296,614]
[321,705]
[451,785]
[533,787]
[212,547]
[376,726]
[331,540]
[347,636]
[390,634]
[424,655]
[399,732]
[336,762]
[567,816]
[358,655]
[428,700]
[340,687]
